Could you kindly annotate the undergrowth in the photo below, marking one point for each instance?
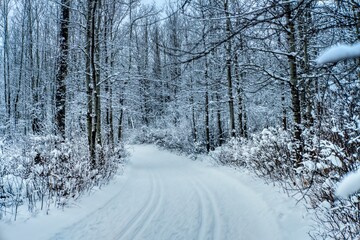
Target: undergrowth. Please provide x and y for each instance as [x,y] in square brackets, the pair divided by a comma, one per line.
[38,173]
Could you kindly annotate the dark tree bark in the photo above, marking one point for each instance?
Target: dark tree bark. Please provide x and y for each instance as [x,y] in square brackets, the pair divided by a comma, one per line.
[229,71]
[283,106]
[6,61]
[62,70]
[96,74]
[207,110]
[91,81]
[89,86]
[109,65]
[219,122]
[239,92]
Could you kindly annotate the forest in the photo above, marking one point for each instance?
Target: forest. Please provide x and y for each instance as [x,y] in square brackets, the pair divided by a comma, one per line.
[235,79]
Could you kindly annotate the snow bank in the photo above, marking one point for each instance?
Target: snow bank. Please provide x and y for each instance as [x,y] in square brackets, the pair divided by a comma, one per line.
[339,52]
[350,184]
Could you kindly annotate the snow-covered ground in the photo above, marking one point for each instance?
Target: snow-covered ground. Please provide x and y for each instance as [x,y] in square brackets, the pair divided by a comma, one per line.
[165,196]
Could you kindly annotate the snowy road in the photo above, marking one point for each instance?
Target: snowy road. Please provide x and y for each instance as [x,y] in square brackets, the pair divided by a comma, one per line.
[169,197]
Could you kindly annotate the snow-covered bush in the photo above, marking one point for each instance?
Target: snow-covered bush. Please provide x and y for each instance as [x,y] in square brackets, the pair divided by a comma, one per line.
[41,172]
[326,158]
[177,139]
[267,153]
[340,151]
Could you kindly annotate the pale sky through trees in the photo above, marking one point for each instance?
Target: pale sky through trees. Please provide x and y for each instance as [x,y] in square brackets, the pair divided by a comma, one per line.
[158,3]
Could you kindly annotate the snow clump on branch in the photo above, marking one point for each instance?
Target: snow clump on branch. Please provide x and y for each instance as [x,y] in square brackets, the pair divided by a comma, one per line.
[339,52]
[349,185]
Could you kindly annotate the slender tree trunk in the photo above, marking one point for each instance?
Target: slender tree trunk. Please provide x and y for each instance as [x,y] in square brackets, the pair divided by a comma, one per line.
[120,122]
[229,71]
[219,123]
[109,64]
[309,86]
[6,63]
[90,73]
[207,111]
[157,70]
[96,69]
[122,94]
[193,120]
[17,114]
[246,135]
[284,120]
[94,75]
[33,78]
[239,92]
[38,115]
[192,103]
[283,106]
[146,81]
[62,70]
[294,84]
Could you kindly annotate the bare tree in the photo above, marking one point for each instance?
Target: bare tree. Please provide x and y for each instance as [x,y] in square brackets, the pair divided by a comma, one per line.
[62,70]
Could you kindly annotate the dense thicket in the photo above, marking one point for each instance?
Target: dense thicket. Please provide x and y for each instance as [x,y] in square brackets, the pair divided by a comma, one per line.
[195,76]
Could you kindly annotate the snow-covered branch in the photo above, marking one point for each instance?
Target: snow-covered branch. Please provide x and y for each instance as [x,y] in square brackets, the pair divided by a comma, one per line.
[339,52]
[349,185]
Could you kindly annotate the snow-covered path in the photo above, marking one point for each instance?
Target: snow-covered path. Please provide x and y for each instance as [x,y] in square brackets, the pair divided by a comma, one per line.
[165,196]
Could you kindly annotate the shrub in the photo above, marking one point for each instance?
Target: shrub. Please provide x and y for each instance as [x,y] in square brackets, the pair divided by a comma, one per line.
[42,172]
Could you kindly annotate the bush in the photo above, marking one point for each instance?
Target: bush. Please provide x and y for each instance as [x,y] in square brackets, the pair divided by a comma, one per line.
[42,172]
[176,139]
[325,161]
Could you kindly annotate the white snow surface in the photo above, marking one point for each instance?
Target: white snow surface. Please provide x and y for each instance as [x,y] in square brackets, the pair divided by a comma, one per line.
[339,52]
[163,196]
[349,185]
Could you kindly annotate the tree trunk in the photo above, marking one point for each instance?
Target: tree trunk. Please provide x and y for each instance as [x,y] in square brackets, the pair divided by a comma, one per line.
[239,92]
[294,85]
[192,103]
[35,122]
[207,111]
[19,87]
[219,123]
[229,72]
[245,122]
[145,77]
[109,65]
[6,63]
[96,76]
[283,106]
[62,70]
[90,75]
[129,77]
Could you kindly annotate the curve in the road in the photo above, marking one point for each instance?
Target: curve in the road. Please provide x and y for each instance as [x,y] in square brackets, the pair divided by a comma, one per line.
[169,197]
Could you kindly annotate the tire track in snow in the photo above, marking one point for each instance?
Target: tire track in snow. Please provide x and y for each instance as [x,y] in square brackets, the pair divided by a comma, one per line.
[201,234]
[211,229]
[159,196]
[134,220]
[144,215]
[95,215]
[216,213]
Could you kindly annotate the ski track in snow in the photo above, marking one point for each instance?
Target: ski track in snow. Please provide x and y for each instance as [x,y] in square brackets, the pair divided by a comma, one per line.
[209,225]
[169,197]
[143,217]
